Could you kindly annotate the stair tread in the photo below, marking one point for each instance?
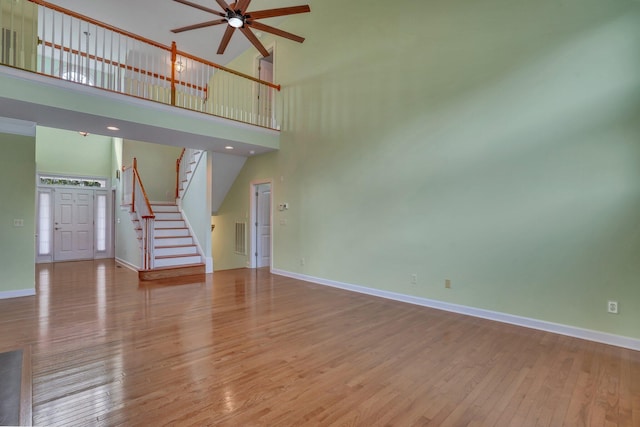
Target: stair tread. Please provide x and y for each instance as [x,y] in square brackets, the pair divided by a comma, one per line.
[175,246]
[176,256]
[173,267]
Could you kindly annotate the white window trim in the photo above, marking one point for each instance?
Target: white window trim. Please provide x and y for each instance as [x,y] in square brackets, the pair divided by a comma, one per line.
[109,217]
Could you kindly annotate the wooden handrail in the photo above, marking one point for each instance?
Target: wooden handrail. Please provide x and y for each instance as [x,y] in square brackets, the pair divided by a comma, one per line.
[123,66]
[133,184]
[149,41]
[145,218]
[178,163]
[144,193]
[229,70]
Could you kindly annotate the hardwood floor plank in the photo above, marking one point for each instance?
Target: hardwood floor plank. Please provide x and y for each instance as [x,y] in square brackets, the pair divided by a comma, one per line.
[245,347]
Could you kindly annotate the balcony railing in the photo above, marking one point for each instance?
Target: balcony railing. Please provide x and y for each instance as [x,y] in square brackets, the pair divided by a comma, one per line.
[53,41]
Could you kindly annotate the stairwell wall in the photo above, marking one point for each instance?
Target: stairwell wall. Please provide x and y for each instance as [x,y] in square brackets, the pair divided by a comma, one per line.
[157,168]
[196,205]
[127,249]
[235,208]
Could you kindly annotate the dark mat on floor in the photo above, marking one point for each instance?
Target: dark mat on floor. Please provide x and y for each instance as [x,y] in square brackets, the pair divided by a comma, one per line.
[10,382]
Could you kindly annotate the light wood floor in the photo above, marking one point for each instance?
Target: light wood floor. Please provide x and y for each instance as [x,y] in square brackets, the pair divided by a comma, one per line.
[247,348]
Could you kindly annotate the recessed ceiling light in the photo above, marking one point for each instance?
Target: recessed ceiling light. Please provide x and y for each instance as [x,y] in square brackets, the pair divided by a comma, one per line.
[228,147]
[113,128]
[252,152]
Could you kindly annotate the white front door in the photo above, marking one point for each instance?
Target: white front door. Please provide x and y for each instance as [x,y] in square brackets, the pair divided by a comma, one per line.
[263,225]
[73,224]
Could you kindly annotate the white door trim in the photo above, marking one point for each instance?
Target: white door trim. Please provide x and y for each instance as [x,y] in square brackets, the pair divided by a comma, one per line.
[110,217]
[253,187]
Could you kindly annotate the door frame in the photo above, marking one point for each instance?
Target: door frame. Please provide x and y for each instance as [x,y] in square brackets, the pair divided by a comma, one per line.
[107,191]
[271,47]
[253,188]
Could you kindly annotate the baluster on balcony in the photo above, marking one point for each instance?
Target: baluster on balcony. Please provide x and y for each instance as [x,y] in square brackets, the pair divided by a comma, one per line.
[81,49]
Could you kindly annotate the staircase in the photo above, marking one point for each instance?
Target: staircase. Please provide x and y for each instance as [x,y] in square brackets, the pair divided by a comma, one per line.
[175,252]
[167,247]
[185,166]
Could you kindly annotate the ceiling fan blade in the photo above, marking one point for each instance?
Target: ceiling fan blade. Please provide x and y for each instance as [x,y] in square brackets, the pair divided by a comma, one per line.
[225,39]
[201,25]
[272,30]
[254,40]
[270,13]
[223,4]
[197,6]
[242,5]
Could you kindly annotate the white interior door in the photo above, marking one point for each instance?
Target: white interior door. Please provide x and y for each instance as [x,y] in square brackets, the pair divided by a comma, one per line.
[73,224]
[263,225]
[265,98]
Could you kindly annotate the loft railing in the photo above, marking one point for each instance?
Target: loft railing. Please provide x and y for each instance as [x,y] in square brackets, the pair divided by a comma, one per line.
[53,41]
[135,197]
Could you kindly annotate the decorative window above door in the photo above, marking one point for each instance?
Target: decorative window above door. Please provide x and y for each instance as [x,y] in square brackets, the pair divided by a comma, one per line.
[73,181]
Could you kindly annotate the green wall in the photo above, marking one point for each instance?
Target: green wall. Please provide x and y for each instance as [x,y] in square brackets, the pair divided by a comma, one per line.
[196,205]
[65,152]
[17,186]
[157,168]
[127,248]
[235,208]
[492,143]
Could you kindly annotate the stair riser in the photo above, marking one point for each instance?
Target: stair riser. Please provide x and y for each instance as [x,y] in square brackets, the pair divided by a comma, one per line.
[189,250]
[173,241]
[171,232]
[169,224]
[164,208]
[170,262]
[175,216]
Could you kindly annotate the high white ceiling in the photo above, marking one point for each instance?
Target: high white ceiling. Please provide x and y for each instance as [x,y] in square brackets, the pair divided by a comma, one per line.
[154,19]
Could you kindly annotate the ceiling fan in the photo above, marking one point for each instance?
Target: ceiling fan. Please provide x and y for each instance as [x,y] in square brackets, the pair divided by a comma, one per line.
[236,16]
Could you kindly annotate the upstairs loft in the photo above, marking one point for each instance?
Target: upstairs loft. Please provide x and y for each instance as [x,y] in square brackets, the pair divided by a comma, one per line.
[65,70]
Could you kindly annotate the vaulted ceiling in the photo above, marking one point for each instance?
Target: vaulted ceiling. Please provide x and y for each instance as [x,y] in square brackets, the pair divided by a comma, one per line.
[154,19]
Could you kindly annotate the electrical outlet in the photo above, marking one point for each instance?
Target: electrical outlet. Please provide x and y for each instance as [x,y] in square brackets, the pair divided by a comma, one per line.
[612,307]
[447,283]
[414,279]
[302,261]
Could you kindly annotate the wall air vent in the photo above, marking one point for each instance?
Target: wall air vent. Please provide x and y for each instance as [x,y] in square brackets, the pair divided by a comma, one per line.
[241,238]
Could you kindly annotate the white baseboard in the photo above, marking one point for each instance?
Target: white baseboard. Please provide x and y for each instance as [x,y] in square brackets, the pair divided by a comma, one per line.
[127,264]
[18,293]
[572,331]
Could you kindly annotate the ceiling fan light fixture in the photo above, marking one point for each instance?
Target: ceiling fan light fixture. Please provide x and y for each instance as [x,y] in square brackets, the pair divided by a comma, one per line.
[237,15]
[236,20]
